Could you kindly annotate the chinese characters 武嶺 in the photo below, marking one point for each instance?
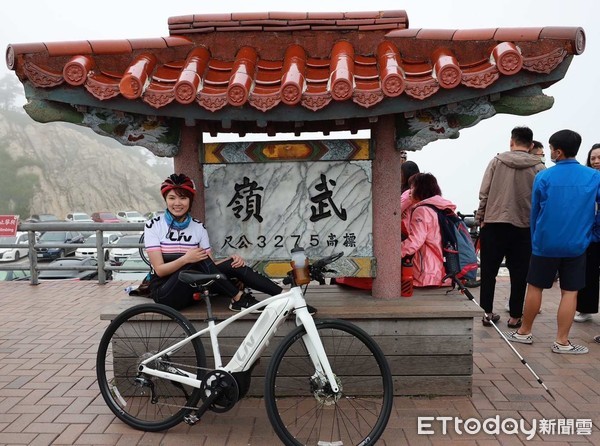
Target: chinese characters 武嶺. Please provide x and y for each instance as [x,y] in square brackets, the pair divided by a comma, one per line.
[246,198]
[323,201]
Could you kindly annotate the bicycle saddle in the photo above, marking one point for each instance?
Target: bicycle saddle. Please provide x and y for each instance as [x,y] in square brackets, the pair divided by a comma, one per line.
[191,277]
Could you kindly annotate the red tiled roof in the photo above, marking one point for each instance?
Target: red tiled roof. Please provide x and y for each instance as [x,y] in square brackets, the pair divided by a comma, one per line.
[306,59]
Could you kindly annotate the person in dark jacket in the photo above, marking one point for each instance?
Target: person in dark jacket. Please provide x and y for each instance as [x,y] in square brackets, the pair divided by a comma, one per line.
[589,296]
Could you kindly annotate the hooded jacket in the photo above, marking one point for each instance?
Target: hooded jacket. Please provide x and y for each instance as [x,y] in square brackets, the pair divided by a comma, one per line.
[425,242]
[505,193]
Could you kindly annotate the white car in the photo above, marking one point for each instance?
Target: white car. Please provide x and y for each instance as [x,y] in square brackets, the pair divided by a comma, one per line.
[108,238]
[10,254]
[118,255]
[79,217]
[131,217]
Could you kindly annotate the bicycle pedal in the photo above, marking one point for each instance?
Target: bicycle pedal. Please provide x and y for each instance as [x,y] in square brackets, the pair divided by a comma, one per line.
[191,419]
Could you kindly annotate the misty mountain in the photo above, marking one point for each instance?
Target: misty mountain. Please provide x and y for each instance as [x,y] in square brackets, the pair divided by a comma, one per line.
[59,168]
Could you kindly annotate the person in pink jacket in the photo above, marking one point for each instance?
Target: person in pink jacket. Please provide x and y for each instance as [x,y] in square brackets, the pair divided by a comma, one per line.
[407,170]
[424,236]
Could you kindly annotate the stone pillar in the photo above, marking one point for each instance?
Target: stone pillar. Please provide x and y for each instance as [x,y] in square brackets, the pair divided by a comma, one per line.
[386,210]
[188,161]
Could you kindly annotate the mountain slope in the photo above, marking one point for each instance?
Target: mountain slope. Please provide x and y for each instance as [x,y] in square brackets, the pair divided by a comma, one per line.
[73,169]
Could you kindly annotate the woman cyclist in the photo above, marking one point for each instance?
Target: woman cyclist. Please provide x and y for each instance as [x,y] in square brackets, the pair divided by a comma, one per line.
[176,242]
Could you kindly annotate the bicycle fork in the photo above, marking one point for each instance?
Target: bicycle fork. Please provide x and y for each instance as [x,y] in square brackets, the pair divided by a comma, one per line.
[315,349]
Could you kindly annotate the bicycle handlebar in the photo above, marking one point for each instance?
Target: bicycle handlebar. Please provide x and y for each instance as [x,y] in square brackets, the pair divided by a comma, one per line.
[317,269]
[322,263]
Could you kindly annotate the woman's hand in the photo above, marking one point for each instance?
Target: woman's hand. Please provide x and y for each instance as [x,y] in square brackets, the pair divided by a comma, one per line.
[195,255]
[237,261]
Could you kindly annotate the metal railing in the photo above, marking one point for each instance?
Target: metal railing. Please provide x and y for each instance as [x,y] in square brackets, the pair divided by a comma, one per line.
[99,228]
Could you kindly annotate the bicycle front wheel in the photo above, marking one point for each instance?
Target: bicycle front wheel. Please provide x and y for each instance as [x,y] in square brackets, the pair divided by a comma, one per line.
[302,407]
[143,401]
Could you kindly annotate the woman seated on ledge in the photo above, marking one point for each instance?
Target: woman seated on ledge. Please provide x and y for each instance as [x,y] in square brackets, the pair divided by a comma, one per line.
[424,239]
[176,242]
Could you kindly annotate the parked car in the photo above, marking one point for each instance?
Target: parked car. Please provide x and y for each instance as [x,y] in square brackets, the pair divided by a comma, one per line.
[79,217]
[10,254]
[42,218]
[130,217]
[108,238]
[55,237]
[105,217]
[72,274]
[151,215]
[16,274]
[139,269]
[118,255]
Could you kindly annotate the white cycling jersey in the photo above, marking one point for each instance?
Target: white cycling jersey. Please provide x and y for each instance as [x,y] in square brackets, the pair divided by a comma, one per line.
[170,241]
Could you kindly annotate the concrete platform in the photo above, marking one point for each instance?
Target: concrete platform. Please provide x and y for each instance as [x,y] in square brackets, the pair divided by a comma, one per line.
[48,393]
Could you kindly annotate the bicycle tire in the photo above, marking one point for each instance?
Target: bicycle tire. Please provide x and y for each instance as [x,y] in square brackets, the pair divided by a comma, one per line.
[136,334]
[142,251]
[301,415]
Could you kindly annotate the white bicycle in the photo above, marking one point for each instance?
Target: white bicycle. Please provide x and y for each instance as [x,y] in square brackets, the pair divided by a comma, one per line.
[327,383]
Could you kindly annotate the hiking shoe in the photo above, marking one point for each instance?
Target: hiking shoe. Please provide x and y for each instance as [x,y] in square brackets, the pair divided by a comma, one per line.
[246,301]
[582,317]
[311,310]
[597,339]
[489,318]
[513,336]
[571,349]
[516,324]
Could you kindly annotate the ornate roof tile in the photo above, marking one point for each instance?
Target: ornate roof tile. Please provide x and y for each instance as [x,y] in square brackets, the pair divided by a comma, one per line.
[214,61]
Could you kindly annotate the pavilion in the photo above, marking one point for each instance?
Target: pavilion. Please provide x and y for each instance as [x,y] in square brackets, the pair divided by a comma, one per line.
[288,72]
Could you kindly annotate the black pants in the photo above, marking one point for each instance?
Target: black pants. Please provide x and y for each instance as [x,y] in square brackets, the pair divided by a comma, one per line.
[587,298]
[498,241]
[176,294]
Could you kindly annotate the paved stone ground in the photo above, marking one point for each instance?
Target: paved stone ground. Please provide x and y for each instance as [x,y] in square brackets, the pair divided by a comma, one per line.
[48,394]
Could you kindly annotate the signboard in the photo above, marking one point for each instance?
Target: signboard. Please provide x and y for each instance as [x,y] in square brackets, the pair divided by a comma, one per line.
[8,225]
[263,198]
[263,210]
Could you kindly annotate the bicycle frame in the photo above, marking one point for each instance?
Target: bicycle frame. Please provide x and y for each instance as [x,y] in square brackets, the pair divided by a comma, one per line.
[276,310]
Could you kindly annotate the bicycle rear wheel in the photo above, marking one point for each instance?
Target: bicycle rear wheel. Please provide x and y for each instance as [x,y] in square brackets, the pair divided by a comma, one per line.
[303,411]
[142,401]
[142,252]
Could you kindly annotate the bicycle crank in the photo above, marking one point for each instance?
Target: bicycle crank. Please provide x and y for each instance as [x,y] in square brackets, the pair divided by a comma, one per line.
[226,385]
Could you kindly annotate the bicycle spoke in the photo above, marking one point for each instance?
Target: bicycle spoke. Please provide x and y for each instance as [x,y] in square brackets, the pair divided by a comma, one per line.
[143,401]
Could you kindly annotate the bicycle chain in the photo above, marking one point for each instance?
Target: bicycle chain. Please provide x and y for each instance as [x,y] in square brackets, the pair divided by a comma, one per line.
[186,365]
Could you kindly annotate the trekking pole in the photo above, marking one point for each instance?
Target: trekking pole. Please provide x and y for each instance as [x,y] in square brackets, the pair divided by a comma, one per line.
[467,293]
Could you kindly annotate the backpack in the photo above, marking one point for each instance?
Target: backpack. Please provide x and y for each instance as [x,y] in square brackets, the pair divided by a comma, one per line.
[460,259]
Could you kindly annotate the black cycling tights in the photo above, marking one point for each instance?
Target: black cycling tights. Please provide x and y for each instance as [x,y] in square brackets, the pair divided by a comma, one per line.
[179,295]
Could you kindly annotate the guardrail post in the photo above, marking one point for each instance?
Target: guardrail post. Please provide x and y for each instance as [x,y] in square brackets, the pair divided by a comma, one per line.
[32,258]
[100,257]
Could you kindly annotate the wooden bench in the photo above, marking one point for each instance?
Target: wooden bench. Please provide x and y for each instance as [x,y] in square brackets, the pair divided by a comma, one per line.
[427,339]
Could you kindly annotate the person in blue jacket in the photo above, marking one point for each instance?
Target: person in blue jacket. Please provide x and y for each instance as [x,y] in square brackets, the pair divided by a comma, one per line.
[563,223]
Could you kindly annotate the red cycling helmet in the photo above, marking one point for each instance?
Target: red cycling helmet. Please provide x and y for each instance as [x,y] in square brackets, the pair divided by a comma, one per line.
[177,181]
